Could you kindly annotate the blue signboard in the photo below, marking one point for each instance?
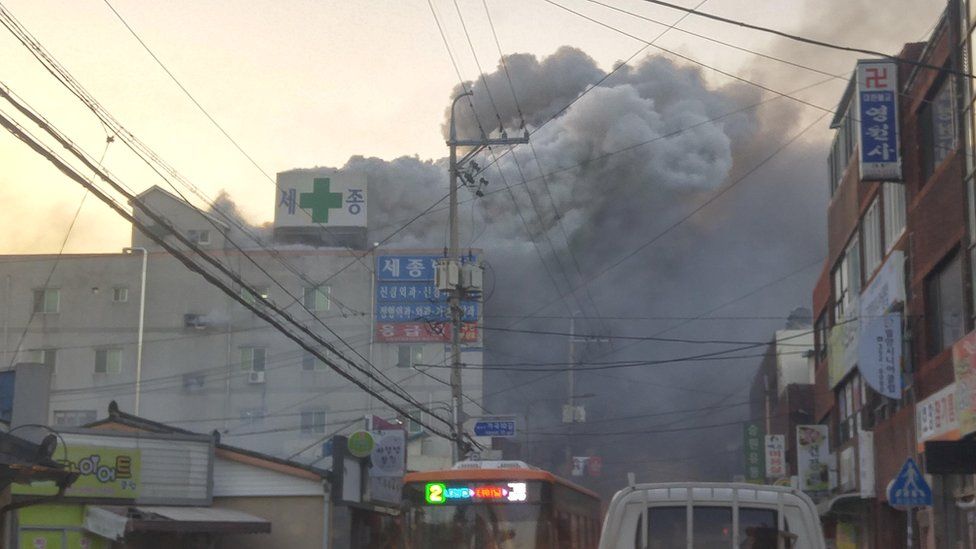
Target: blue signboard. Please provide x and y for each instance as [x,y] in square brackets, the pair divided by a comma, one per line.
[424,312]
[877,114]
[409,308]
[909,488]
[406,267]
[495,428]
[398,292]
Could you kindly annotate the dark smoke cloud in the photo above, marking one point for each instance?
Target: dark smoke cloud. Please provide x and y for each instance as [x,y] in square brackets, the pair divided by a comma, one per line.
[598,204]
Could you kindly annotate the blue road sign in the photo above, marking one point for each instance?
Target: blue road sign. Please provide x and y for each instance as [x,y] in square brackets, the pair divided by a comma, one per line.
[495,428]
[909,488]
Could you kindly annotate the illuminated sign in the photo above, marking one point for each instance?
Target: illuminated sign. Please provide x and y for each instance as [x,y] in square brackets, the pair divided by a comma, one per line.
[437,493]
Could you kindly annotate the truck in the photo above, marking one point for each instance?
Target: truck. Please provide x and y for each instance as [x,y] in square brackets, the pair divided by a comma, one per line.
[712,515]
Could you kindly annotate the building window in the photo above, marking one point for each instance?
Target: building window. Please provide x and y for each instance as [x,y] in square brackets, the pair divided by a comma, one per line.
[252,416]
[894,213]
[313,422]
[851,396]
[937,129]
[108,361]
[73,418]
[317,299]
[820,331]
[120,294]
[47,300]
[871,236]
[944,314]
[847,282]
[840,151]
[47,357]
[253,359]
[198,236]
[255,296]
[312,363]
[409,355]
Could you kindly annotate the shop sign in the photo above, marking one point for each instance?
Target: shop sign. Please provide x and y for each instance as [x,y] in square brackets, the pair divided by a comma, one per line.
[388,458]
[935,417]
[877,120]
[865,463]
[754,453]
[111,473]
[775,456]
[306,199]
[843,350]
[964,364]
[360,444]
[879,345]
[813,457]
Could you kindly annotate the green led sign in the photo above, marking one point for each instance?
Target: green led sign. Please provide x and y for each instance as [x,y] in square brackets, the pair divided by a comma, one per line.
[434,493]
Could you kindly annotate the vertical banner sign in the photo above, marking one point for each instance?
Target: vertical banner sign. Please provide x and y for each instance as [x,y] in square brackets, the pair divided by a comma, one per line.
[879,348]
[964,364]
[877,117]
[865,463]
[389,454]
[775,456]
[410,309]
[813,457]
[754,450]
[935,417]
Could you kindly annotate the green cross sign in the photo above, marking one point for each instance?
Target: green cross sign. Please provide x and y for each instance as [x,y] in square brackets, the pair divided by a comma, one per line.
[320,200]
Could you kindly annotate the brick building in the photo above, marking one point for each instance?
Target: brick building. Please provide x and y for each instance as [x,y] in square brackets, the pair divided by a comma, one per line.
[904,242]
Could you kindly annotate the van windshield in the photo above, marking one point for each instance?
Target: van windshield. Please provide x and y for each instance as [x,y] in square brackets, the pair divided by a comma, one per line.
[712,529]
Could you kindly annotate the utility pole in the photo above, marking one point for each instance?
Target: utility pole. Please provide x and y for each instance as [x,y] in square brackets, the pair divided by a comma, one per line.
[454,276]
[571,412]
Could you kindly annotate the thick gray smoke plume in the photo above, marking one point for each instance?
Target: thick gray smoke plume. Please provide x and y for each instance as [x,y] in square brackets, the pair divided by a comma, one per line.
[622,164]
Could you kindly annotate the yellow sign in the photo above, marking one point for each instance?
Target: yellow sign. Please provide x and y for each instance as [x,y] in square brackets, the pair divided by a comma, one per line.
[109,473]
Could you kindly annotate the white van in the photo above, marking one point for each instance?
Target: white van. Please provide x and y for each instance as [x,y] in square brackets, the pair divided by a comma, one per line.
[701,515]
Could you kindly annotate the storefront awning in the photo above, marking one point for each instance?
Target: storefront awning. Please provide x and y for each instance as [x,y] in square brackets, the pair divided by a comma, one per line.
[114,522]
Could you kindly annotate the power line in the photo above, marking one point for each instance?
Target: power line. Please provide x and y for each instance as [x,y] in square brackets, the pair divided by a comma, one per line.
[641,338]
[106,118]
[52,157]
[680,221]
[803,39]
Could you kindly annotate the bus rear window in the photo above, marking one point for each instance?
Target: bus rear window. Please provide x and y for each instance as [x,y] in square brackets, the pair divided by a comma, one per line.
[711,528]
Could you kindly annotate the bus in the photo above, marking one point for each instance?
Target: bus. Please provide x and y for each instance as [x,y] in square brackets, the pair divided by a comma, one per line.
[497,505]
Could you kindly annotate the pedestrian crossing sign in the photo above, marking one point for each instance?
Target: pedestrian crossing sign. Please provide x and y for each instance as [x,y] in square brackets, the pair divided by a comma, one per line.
[909,488]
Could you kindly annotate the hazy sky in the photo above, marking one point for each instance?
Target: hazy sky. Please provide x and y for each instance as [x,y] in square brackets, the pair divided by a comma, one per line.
[302,83]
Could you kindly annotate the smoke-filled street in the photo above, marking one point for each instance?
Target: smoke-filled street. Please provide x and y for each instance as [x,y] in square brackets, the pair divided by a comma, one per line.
[487,274]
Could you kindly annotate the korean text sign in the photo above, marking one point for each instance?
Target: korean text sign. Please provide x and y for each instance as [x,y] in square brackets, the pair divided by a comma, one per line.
[409,308]
[813,457]
[877,116]
[775,456]
[103,473]
[754,452]
[964,364]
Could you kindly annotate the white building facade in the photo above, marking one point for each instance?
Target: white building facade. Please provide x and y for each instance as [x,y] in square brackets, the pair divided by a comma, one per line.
[207,362]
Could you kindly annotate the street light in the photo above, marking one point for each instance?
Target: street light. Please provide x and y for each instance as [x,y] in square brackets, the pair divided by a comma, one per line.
[142,319]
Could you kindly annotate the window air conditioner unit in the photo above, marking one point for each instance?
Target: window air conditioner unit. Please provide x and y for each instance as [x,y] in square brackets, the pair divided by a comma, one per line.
[255,378]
